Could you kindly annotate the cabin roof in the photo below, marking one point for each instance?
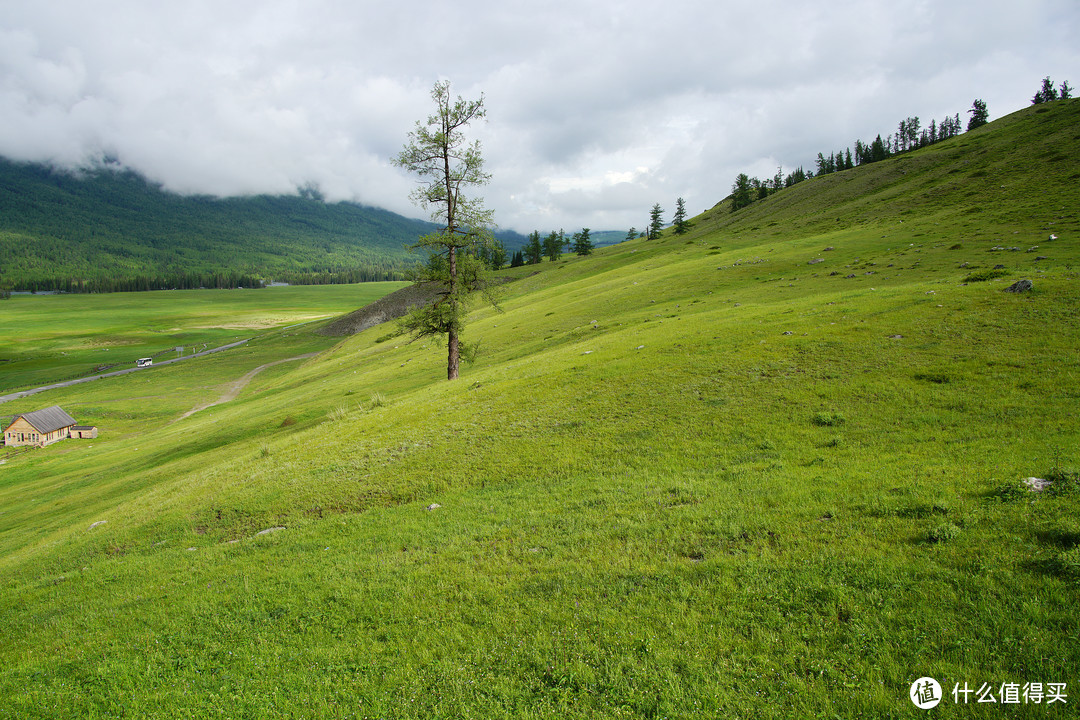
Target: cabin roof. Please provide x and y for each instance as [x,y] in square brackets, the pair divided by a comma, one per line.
[47,420]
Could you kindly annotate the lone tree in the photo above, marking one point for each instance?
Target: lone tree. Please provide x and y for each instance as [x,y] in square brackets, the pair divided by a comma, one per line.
[979,115]
[679,220]
[582,243]
[448,166]
[656,221]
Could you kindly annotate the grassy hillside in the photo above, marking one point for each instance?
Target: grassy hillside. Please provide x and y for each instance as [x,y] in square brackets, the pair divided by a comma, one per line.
[702,476]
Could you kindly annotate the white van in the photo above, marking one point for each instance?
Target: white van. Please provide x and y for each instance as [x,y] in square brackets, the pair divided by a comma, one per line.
[144,362]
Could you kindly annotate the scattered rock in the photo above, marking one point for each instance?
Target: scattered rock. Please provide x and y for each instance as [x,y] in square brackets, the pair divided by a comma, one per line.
[1033,248]
[433,506]
[963,265]
[848,277]
[99,522]
[999,267]
[1042,257]
[1020,286]
[1037,484]
[787,332]
[191,549]
[896,337]
[828,249]
[833,273]
[587,352]
[640,347]
[267,531]
[815,261]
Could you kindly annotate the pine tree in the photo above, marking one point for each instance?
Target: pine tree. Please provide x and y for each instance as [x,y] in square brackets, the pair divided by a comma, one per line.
[1047,92]
[553,246]
[534,253]
[979,115]
[680,221]
[447,166]
[740,191]
[582,244]
[656,221]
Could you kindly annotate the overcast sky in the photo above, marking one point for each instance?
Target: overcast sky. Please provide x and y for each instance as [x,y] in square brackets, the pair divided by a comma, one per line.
[596,110]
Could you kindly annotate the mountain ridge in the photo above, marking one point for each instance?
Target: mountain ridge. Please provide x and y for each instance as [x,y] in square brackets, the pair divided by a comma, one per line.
[59,230]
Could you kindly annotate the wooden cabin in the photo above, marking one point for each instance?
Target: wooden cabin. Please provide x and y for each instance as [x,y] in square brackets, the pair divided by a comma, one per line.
[44,427]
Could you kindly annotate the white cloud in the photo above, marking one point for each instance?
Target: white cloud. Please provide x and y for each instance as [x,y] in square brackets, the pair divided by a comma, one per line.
[595,112]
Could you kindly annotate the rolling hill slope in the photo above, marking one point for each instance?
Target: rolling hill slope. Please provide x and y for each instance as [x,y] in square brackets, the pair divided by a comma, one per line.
[767,469]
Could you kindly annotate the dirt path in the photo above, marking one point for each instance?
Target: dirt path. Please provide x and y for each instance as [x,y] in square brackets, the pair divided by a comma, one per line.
[237,386]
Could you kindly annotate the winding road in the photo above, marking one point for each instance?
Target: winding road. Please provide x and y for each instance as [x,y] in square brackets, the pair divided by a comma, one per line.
[69,383]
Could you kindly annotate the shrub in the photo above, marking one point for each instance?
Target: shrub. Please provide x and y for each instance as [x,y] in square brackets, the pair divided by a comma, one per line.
[984,275]
[942,533]
[1010,492]
[288,421]
[827,419]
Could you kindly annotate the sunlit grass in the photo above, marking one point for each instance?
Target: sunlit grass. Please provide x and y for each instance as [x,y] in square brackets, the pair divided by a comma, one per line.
[698,479]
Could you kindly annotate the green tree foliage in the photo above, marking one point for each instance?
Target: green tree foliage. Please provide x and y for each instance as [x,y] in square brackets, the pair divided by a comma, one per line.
[448,167]
[553,246]
[679,220]
[979,115]
[106,230]
[656,221]
[631,234]
[582,244]
[1047,93]
[494,257]
[740,192]
[534,251]
[517,259]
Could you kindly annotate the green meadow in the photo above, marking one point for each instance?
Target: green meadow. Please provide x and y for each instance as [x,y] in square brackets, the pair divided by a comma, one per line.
[48,338]
[768,469]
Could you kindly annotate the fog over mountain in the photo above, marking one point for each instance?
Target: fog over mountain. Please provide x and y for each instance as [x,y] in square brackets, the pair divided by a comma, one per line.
[595,111]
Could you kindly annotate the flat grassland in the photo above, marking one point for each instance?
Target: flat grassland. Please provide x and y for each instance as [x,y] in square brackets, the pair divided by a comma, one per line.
[772,468]
[49,338]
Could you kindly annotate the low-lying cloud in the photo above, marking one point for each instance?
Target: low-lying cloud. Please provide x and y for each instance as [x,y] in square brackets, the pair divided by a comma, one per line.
[595,112]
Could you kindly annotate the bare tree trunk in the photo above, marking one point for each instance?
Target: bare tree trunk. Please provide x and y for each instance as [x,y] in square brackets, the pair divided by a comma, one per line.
[453,356]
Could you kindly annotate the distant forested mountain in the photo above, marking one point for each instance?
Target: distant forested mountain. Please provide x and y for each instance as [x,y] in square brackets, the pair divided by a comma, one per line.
[105,230]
